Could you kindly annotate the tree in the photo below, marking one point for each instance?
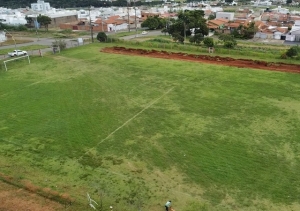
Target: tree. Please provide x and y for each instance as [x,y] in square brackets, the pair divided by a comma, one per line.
[248,31]
[197,38]
[208,42]
[211,17]
[154,22]
[102,37]
[44,21]
[29,20]
[187,21]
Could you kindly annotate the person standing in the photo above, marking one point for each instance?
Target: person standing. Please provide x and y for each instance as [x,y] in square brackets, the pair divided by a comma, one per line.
[168,205]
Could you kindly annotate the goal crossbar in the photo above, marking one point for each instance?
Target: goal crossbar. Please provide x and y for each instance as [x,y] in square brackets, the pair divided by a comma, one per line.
[16,59]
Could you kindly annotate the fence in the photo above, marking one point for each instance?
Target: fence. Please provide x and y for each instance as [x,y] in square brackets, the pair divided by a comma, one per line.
[41,52]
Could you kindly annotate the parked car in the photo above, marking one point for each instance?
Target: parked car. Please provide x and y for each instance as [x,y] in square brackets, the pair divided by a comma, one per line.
[144,32]
[17,53]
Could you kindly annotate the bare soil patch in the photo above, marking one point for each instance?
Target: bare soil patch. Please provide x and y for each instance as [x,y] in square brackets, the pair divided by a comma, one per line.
[20,195]
[227,61]
[17,199]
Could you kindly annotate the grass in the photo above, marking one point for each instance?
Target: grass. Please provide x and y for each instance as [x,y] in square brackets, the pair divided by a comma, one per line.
[132,130]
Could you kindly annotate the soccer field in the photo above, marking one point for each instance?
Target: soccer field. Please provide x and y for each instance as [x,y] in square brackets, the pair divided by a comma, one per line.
[134,132]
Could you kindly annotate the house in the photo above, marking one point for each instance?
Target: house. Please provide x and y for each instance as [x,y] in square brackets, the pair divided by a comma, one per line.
[217,24]
[40,6]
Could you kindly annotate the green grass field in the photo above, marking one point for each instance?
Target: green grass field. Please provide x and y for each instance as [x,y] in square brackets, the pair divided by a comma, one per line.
[135,132]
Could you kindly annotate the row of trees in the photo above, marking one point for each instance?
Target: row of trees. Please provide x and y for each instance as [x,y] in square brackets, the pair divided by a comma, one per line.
[75,3]
[187,23]
[42,20]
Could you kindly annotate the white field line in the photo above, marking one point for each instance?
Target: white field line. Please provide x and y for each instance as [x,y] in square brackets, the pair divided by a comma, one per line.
[129,120]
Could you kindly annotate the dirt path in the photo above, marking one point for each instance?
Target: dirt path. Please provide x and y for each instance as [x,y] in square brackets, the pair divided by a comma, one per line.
[227,61]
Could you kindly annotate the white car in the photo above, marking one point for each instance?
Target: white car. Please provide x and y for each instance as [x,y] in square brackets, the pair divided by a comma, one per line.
[144,32]
[17,53]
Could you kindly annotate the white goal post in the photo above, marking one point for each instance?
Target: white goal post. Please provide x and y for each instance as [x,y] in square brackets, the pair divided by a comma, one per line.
[16,59]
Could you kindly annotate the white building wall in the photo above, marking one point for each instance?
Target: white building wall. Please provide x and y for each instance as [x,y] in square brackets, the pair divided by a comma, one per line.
[40,6]
[225,15]
[2,36]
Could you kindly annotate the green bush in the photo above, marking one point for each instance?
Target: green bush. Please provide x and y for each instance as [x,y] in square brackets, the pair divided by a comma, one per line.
[60,43]
[159,40]
[293,51]
[59,35]
[229,44]
[101,37]
[208,42]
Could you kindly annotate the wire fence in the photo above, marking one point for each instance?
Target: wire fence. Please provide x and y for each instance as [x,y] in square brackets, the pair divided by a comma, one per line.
[42,51]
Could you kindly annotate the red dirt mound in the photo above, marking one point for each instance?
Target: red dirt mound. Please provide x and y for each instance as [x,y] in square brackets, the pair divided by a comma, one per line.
[242,63]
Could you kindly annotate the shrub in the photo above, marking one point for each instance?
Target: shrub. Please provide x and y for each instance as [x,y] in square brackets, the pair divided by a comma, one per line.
[102,37]
[283,56]
[229,44]
[60,43]
[293,51]
[178,38]
[208,42]
[159,40]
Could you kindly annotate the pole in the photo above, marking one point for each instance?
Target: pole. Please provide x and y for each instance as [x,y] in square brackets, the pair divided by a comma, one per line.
[12,38]
[36,28]
[135,19]
[91,27]
[184,32]
[128,14]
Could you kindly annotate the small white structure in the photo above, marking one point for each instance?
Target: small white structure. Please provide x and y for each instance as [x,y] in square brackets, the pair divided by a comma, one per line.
[40,6]
[294,34]
[225,15]
[259,3]
[297,23]
[279,9]
[277,35]
[2,36]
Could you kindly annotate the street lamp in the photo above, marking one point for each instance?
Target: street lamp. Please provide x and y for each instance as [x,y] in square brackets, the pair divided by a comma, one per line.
[12,38]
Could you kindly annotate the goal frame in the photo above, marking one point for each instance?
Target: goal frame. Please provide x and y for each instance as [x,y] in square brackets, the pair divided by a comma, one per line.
[20,57]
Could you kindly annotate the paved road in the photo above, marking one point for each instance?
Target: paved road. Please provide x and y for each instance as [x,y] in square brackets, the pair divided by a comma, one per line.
[150,33]
[36,41]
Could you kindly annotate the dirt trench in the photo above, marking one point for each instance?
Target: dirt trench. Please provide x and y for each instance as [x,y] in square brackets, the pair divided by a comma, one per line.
[227,61]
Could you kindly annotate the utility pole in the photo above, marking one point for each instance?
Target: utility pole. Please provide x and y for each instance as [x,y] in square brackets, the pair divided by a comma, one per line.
[12,38]
[135,19]
[91,27]
[128,2]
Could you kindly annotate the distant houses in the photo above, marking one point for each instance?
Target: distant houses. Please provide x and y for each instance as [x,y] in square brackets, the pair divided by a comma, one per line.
[278,23]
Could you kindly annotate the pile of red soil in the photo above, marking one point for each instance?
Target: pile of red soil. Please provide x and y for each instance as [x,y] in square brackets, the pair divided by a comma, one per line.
[242,63]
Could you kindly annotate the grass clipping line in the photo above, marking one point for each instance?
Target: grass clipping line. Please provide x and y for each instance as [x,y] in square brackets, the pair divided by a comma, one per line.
[129,120]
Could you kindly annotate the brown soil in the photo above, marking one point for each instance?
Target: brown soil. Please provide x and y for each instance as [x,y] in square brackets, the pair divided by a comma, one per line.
[19,195]
[242,63]
[19,199]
